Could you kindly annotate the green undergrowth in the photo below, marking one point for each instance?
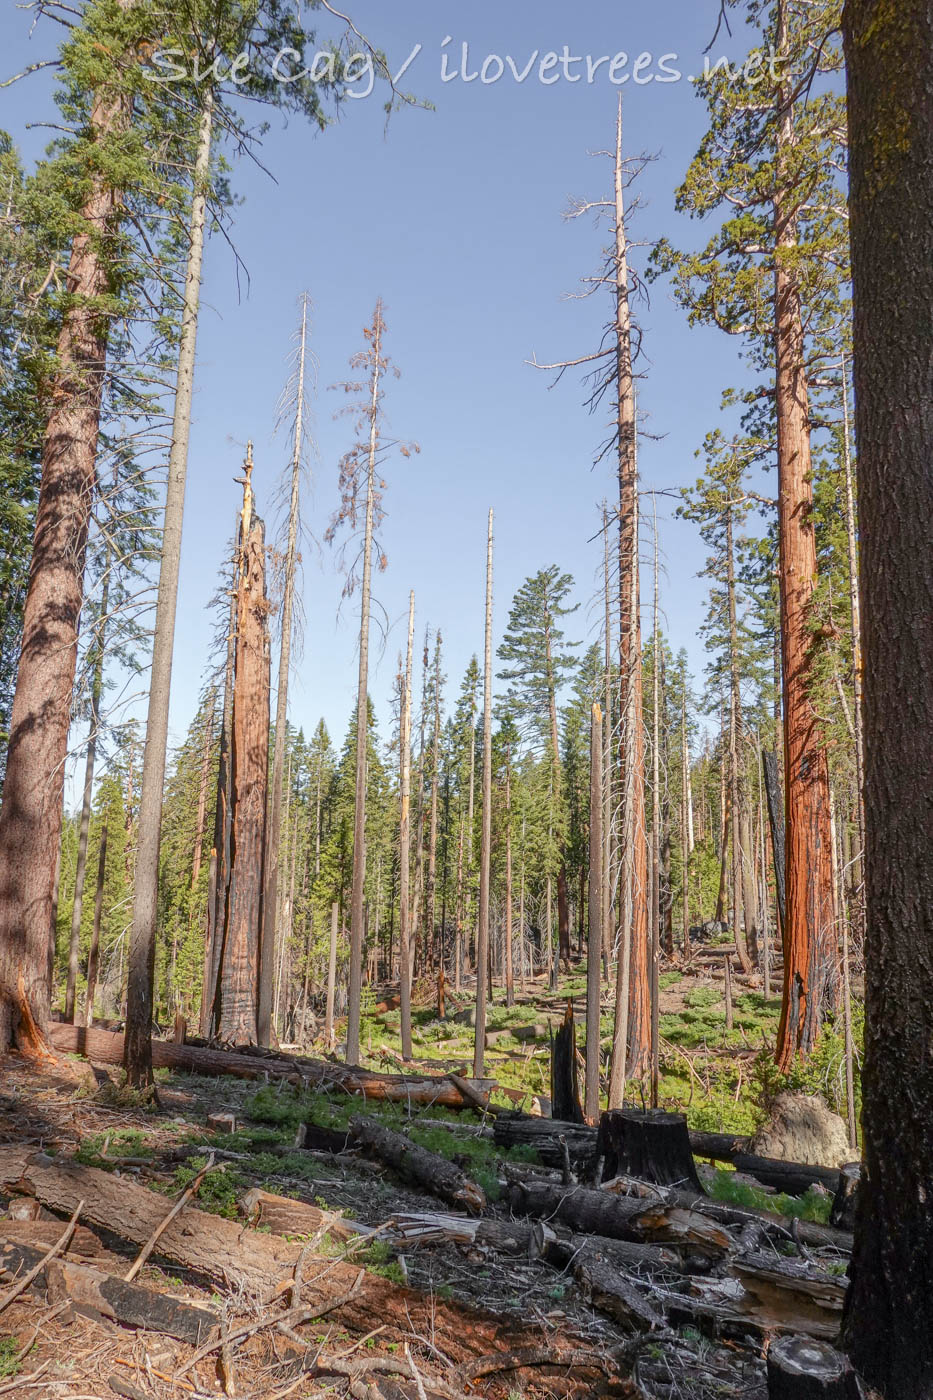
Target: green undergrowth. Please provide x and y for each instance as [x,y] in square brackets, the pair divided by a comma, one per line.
[10,1363]
[477,1156]
[100,1149]
[814,1206]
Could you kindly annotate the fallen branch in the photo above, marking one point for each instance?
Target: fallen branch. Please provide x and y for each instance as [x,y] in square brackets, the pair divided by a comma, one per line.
[160,1229]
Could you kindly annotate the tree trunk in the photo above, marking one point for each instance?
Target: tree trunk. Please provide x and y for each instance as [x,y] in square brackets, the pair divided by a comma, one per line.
[654,967]
[220,852]
[594,944]
[631,1044]
[357,898]
[270,901]
[239,970]
[776,822]
[404,746]
[739,912]
[31,811]
[146,889]
[509,971]
[482,934]
[808,922]
[431,902]
[97,685]
[889,51]
[93,957]
[202,788]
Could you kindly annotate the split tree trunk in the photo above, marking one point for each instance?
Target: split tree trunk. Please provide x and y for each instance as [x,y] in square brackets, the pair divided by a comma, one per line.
[239,968]
[270,901]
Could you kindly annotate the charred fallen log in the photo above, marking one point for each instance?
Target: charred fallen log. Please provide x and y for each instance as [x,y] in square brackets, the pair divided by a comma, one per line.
[94,1293]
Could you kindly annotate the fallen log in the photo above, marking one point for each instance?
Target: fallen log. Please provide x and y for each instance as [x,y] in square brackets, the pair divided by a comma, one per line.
[106,1047]
[806,1296]
[97,1294]
[284,1216]
[416,1164]
[776,1226]
[44,1233]
[648,1144]
[237,1257]
[619,1217]
[538,1240]
[610,1292]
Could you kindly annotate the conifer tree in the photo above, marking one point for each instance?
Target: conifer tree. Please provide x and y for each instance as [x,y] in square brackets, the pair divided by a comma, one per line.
[767,167]
[538,662]
[361,491]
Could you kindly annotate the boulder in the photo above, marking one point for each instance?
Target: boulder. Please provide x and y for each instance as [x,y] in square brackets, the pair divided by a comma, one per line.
[801,1128]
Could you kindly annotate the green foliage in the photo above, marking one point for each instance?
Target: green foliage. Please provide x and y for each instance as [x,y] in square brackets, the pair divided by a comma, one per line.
[10,1363]
[219,1190]
[100,1149]
[814,1205]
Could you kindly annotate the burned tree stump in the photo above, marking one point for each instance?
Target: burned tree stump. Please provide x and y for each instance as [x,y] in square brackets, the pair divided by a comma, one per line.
[565,1084]
[648,1144]
[842,1214]
[800,1368]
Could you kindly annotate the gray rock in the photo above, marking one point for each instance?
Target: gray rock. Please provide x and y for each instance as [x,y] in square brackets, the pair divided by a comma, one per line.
[801,1128]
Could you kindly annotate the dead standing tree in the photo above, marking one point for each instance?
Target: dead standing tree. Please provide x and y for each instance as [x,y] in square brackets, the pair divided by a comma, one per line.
[294,397]
[237,993]
[361,488]
[404,752]
[613,374]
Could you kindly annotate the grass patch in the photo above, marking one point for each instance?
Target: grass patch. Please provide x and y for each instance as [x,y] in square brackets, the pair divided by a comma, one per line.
[100,1149]
[10,1365]
[814,1206]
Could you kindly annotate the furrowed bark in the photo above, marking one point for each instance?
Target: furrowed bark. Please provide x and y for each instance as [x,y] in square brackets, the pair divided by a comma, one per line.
[239,969]
[889,53]
[808,926]
[31,811]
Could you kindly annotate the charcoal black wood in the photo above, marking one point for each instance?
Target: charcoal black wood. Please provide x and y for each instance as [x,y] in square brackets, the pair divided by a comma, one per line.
[565,1086]
[648,1144]
[842,1214]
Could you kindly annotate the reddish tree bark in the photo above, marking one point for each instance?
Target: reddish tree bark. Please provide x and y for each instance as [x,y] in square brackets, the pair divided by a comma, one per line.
[239,970]
[808,926]
[31,813]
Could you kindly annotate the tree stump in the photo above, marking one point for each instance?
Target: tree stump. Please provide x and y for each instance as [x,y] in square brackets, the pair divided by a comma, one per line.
[800,1368]
[842,1214]
[565,1084]
[648,1144]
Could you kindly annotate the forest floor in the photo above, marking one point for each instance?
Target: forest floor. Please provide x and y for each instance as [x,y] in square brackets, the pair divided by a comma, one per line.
[72,1114]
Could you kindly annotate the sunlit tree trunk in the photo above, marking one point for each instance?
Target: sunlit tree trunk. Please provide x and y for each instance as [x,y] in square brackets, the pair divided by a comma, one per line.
[808,955]
[137,1052]
[31,811]
[631,1044]
[270,903]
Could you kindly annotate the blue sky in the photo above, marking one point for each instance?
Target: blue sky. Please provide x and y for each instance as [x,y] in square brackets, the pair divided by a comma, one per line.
[453,216]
